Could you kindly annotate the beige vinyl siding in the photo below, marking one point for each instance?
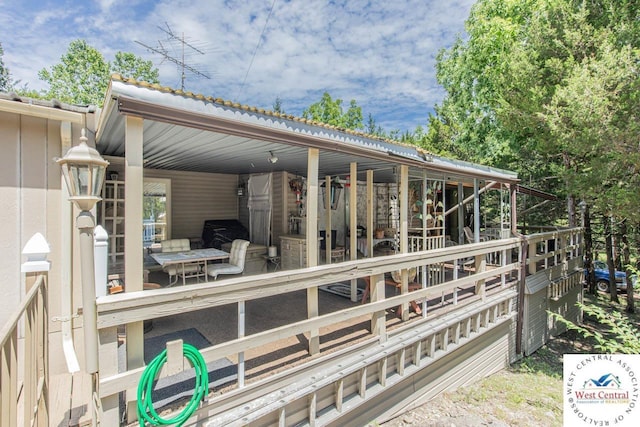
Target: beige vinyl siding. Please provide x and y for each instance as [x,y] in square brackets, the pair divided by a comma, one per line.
[11,213]
[566,305]
[196,197]
[30,190]
[535,315]
[477,359]
[554,290]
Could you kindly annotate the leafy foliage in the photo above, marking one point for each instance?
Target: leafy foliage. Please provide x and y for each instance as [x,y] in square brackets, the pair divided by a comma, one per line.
[83,74]
[330,111]
[622,336]
[543,87]
[132,66]
[5,78]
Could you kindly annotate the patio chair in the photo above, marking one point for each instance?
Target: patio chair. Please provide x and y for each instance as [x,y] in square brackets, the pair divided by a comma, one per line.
[463,262]
[490,257]
[468,234]
[236,260]
[396,281]
[176,270]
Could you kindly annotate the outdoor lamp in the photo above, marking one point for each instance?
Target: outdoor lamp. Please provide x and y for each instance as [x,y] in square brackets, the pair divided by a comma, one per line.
[272,158]
[336,189]
[84,170]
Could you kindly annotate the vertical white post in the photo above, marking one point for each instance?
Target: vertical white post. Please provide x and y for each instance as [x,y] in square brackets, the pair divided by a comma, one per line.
[404,232]
[461,223]
[133,248]
[313,160]
[370,213]
[100,258]
[328,239]
[353,223]
[241,322]
[476,211]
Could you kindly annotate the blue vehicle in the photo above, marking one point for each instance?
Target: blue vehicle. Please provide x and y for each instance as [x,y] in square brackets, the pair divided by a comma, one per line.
[601,271]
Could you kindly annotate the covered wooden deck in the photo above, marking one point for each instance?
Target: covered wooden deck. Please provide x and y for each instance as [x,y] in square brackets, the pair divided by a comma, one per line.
[261,324]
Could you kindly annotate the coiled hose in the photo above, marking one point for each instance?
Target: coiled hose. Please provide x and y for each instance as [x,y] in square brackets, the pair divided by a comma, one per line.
[146,412]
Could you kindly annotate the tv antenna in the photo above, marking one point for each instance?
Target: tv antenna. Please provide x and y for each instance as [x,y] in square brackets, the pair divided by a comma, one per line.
[167,49]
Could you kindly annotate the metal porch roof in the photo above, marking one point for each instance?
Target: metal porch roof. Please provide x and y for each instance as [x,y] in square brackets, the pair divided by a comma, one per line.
[184,131]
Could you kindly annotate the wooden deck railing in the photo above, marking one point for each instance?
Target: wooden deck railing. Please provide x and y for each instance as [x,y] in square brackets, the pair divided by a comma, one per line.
[122,309]
[546,249]
[24,361]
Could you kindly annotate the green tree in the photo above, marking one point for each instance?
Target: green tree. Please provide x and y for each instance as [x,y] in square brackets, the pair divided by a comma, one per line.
[5,77]
[81,77]
[83,74]
[277,106]
[330,111]
[132,66]
[548,88]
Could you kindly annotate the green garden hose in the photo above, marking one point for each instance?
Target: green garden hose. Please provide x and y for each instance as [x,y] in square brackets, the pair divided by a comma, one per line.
[146,412]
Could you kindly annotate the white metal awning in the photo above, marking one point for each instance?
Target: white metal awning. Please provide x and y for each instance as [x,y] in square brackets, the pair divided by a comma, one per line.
[183,131]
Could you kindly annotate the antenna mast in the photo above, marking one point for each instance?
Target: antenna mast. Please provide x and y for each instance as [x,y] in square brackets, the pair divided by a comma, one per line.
[180,62]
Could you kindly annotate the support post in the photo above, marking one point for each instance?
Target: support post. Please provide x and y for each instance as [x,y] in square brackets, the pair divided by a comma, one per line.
[370,212]
[327,220]
[461,223]
[353,223]
[313,160]
[378,320]
[476,211]
[133,248]
[404,233]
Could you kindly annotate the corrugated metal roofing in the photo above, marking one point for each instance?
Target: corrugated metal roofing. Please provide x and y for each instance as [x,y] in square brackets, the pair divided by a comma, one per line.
[186,131]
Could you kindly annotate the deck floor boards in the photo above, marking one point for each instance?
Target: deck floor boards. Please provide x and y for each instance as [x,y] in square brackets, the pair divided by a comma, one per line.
[68,392]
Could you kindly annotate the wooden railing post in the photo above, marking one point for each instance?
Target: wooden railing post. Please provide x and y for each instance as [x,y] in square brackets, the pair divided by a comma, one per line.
[532,257]
[378,326]
[35,359]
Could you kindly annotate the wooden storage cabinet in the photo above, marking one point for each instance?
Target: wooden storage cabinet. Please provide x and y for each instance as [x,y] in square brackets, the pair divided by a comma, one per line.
[112,217]
[293,251]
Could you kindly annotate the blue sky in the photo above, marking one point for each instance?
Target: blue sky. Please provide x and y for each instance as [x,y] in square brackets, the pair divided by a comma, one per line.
[380,53]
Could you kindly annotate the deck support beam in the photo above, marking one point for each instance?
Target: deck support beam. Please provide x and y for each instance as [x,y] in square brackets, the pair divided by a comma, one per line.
[133,248]
[370,213]
[328,238]
[313,162]
[404,233]
[353,223]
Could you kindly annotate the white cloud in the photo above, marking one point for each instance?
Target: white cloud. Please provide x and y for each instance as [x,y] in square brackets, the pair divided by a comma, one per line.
[380,53]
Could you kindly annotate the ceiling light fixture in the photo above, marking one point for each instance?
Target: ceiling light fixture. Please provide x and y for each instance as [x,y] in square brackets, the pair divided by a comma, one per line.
[272,157]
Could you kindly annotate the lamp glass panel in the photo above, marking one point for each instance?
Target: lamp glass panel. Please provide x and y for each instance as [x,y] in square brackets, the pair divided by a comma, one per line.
[79,181]
[97,180]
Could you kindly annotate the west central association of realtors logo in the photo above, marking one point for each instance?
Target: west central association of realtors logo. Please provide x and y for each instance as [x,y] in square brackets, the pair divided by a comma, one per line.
[601,389]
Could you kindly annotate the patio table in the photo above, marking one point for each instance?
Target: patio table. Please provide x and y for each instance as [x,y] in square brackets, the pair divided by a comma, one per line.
[195,256]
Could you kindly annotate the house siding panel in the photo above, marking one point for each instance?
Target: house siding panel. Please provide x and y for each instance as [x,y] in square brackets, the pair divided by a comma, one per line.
[196,197]
[477,359]
[11,214]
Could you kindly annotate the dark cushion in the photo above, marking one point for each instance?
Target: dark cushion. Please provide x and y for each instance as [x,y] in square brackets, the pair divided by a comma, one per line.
[216,232]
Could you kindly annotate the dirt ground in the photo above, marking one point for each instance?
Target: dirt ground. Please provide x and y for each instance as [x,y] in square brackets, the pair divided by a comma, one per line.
[498,400]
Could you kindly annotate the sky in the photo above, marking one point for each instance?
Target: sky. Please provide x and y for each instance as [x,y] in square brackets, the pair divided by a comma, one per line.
[381,53]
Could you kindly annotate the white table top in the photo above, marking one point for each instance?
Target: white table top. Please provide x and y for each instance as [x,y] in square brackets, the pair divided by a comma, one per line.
[166,258]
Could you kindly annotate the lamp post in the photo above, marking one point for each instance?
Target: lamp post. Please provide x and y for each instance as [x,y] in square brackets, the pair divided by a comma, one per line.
[84,169]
